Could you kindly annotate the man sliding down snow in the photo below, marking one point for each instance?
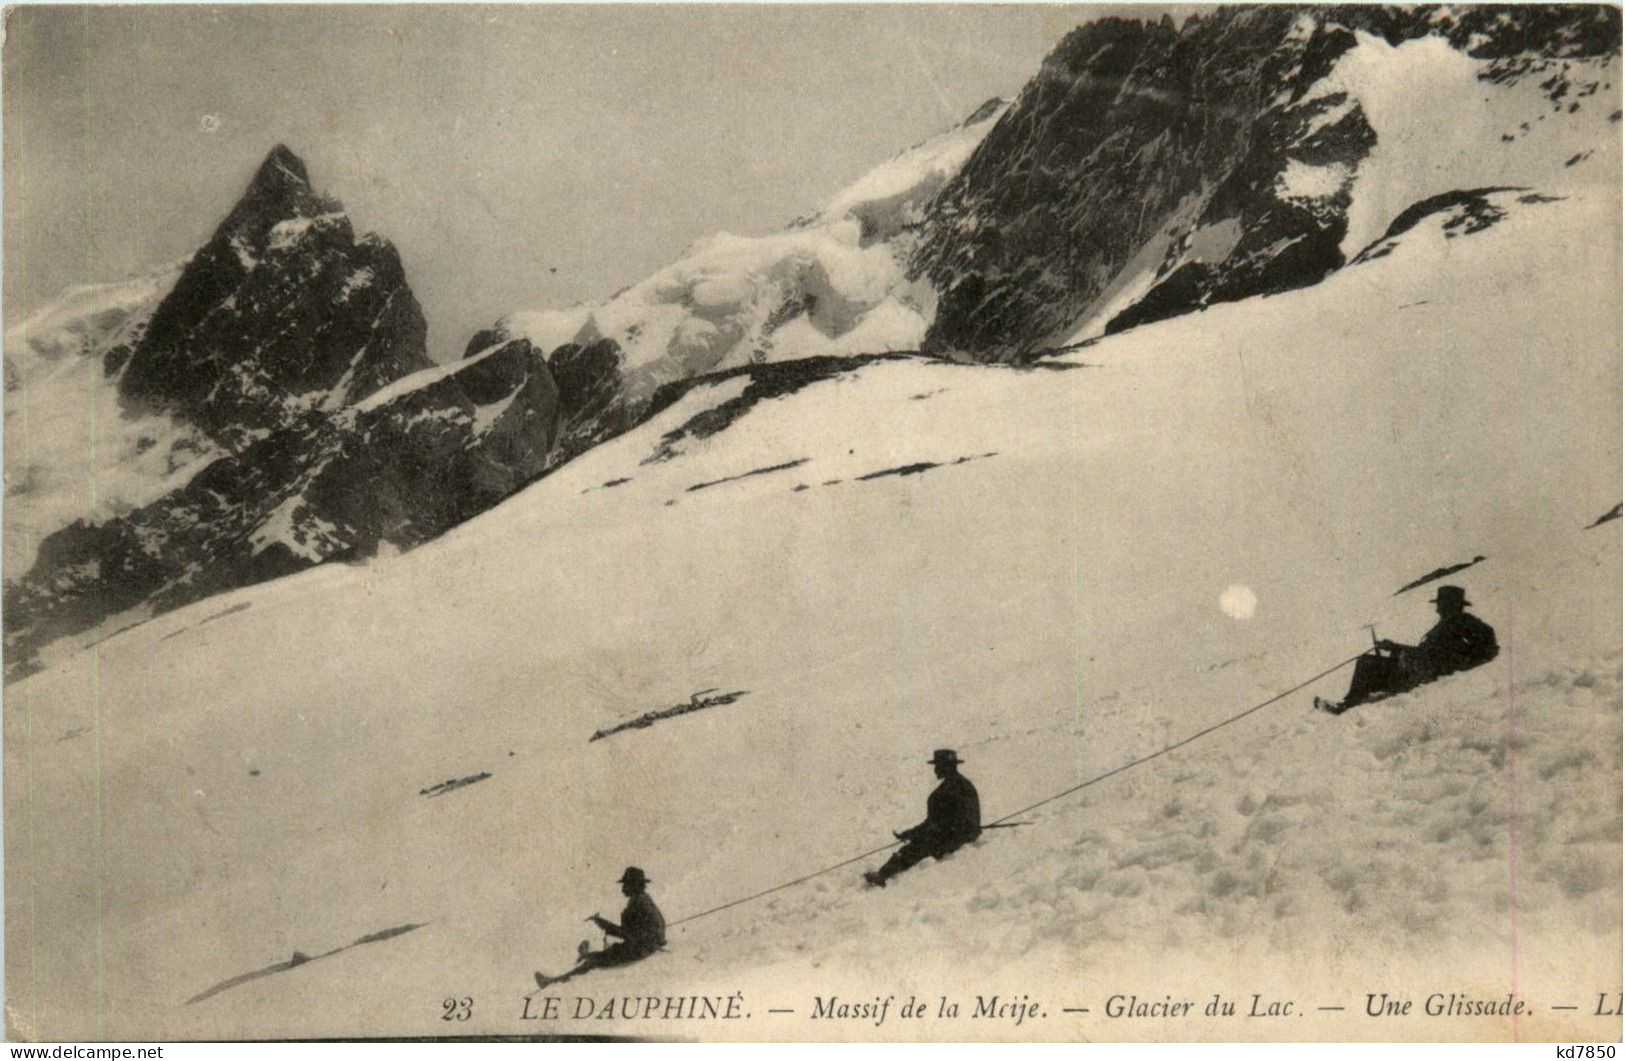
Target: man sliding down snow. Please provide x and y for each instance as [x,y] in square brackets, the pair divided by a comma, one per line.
[642,931]
[1458,642]
[953,818]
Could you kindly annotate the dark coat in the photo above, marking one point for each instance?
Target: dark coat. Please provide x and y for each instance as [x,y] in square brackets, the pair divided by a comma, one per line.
[642,926]
[1455,644]
[953,815]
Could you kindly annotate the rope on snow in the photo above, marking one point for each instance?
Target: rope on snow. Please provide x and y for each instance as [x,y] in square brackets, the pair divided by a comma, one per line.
[1034,806]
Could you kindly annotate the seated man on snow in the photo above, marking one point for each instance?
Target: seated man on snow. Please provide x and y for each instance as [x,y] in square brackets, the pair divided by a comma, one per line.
[1457,642]
[953,818]
[642,931]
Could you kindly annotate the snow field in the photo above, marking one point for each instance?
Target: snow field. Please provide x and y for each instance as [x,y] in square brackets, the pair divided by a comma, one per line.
[1050,608]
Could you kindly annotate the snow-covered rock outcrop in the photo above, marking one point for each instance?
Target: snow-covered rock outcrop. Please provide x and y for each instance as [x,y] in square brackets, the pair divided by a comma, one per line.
[401,466]
[1147,170]
[263,408]
[1260,149]
[285,309]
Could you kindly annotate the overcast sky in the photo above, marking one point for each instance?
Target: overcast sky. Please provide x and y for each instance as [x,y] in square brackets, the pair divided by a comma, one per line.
[518,157]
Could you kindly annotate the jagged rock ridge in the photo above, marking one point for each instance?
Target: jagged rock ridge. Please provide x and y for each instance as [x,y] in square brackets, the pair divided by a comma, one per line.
[298,349]
[283,310]
[1147,170]
[1236,155]
[418,457]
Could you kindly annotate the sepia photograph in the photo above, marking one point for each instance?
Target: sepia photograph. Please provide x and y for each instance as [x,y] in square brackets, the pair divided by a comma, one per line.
[812,523]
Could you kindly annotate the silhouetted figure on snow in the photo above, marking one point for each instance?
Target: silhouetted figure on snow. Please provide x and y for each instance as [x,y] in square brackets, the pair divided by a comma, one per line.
[1458,642]
[953,818]
[642,931]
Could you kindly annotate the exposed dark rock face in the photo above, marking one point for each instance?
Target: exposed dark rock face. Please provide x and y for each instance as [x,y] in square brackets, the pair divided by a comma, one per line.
[1141,139]
[773,380]
[1465,212]
[299,349]
[284,310]
[1607,517]
[592,406]
[426,454]
[592,391]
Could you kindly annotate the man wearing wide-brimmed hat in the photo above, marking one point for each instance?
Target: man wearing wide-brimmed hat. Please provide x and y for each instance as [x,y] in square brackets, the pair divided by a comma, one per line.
[642,931]
[1458,642]
[953,818]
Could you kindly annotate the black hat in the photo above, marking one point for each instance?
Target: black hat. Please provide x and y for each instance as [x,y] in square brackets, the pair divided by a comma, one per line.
[945,757]
[1451,595]
[633,875]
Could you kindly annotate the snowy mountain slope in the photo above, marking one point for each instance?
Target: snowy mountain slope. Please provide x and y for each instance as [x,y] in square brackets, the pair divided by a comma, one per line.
[1042,592]
[117,394]
[72,449]
[1148,170]
[398,467]
[831,283]
[285,316]
[263,407]
[88,317]
[1262,146]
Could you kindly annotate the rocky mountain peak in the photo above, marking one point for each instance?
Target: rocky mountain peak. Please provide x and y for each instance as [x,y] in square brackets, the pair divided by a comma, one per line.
[283,310]
[298,349]
[280,189]
[1239,147]
[281,166]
